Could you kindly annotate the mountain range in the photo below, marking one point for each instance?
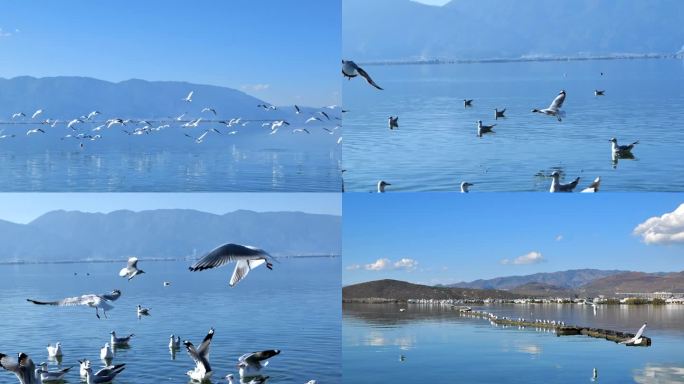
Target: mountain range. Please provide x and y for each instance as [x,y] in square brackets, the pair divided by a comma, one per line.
[165,233]
[469,29]
[402,291]
[570,279]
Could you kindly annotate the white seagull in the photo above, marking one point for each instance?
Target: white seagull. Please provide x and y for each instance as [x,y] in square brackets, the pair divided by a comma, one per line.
[92,114]
[556,185]
[188,98]
[119,341]
[593,187]
[381,186]
[246,258]
[465,187]
[47,376]
[131,270]
[350,70]
[18,114]
[55,350]
[482,129]
[200,356]
[91,300]
[250,364]
[36,113]
[102,376]
[555,108]
[212,110]
[636,340]
[174,342]
[142,311]
[621,149]
[106,352]
[34,130]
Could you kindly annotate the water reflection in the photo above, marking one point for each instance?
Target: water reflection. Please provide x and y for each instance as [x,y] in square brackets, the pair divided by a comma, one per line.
[660,374]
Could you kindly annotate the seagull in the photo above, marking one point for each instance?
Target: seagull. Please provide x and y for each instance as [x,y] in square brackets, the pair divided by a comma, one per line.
[131,270]
[622,149]
[46,375]
[350,69]
[143,311]
[94,301]
[300,130]
[102,376]
[23,368]
[322,113]
[212,110]
[393,122]
[201,137]
[498,113]
[18,114]
[174,343]
[267,107]
[253,380]
[246,258]
[250,364]
[55,350]
[465,185]
[482,129]
[599,92]
[111,122]
[594,186]
[310,119]
[106,352]
[467,103]
[36,113]
[636,340]
[7,135]
[594,374]
[297,110]
[200,356]
[34,130]
[188,98]
[192,123]
[119,341]
[167,283]
[381,186]
[92,114]
[554,108]
[556,186]
[278,124]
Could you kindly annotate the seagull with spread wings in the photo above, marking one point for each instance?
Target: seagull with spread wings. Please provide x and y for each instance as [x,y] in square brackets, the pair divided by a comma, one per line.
[350,70]
[131,270]
[555,108]
[200,356]
[246,258]
[98,302]
[23,368]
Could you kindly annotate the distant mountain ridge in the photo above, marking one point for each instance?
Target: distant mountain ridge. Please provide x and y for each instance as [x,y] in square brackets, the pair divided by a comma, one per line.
[401,290]
[402,29]
[165,233]
[570,279]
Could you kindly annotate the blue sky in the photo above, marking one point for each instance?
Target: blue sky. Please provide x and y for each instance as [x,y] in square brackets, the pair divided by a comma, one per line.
[446,238]
[284,52]
[24,207]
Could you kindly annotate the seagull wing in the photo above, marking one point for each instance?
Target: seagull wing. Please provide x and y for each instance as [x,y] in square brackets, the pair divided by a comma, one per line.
[242,268]
[640,332]
[557,103]
[203,349]
[227,253]
[9,364]
[90,300]
[249,359]
[366,76]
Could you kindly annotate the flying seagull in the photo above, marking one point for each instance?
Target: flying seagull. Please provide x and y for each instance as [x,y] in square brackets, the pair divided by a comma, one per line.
[91,300]
[18,114]
[212,110]
[188,98]
[350,69]
[36,113]
[131,270]
[34,130]
[636,340]
[556,185]
[250,364]
[245,256]
[24,368]
[554,108]
[200,356]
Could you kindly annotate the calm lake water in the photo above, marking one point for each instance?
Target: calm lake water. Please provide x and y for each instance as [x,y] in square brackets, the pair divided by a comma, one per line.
[294,308]
[302,163]
[441,346]
[436,146]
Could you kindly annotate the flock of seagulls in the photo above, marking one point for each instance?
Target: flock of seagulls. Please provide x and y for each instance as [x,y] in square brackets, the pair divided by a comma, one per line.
[351,70]
[249,365]
[86,128]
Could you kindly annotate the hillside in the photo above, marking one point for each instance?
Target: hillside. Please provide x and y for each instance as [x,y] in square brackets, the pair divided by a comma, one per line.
[403,29]
[570,279]
[635,282]
[541,290]
[401,290]
[166,233]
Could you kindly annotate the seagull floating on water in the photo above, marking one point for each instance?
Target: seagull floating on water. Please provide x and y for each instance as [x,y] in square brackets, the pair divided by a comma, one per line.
[593,187]
[47,376]
[393,122]
[556,185]
[555,108]
[131,270]
[101,376]
[119,341]
[381,186]
[55,350]
[174,342]
[91,300]
[622,149]
[350,70]
[465,187]
[599,92]
[498,113]
[142,311]
[106,352]
[245,256]
[482,129]
[467,103]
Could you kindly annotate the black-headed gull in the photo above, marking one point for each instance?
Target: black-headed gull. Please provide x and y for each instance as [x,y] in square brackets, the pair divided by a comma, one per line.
[246,258]
[350,70]
[555,108]
[91,300]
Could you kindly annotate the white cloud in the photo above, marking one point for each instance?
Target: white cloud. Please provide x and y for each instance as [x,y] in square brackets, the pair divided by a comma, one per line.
[353,267]
[255,87]
[4,33]
[665,229]
[529,258]
[559,237]
[406,263]
[379,265]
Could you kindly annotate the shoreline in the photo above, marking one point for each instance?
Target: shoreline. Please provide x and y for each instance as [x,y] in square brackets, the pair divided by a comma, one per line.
[524,59]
